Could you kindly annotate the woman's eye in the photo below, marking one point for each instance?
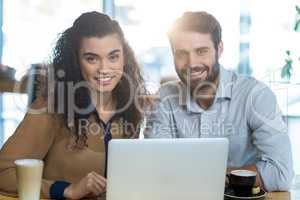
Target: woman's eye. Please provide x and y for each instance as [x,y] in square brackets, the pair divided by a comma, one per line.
[114,58]
[91,59]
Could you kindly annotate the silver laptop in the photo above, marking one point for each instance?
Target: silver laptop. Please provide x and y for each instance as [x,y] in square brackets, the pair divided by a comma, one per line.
[167,169]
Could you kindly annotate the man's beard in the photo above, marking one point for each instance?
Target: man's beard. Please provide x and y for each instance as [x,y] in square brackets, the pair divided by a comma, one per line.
[198,84]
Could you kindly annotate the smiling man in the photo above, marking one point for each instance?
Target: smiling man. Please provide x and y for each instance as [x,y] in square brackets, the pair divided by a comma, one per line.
[210,101]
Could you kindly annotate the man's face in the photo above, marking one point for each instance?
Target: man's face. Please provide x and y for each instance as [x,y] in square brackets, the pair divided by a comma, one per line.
[195,58]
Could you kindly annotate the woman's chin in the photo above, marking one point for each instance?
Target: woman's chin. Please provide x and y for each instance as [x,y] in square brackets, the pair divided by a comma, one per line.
[104,89]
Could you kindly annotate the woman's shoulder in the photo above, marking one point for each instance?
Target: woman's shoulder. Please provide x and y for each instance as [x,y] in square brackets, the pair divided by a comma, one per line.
[42,111]
[38,125]
[40,104]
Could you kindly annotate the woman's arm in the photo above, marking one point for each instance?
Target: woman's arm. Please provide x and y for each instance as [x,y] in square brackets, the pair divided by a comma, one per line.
[32,139]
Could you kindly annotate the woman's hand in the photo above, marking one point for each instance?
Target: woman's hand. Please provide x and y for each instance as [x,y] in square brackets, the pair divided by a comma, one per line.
[92,184]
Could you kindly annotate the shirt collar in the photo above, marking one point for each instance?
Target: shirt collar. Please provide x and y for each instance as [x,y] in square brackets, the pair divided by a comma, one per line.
[224,91]
[91,112]
[225,84]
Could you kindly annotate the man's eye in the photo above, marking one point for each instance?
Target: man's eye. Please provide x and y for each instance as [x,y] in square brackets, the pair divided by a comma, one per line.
[201,51]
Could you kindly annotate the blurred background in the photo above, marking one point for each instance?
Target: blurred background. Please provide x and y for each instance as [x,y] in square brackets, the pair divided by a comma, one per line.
[261,39]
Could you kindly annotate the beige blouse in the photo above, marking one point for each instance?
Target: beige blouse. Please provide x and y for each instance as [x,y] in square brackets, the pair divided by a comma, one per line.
[45,136]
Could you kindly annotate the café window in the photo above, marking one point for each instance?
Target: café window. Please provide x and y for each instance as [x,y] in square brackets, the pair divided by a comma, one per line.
[30,29]
[146,23]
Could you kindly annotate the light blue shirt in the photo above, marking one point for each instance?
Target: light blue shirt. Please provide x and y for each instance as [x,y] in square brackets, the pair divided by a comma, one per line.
[244,110]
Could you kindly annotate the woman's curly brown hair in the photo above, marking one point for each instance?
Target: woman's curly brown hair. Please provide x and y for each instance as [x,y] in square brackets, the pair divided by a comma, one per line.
[66,69]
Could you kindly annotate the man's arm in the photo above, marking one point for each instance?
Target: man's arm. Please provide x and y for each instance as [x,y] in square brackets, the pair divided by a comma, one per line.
[269,134]
[159,121]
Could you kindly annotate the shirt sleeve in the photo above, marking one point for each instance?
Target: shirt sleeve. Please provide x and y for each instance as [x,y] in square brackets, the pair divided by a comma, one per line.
[269,133]
[57,189]
[32,139]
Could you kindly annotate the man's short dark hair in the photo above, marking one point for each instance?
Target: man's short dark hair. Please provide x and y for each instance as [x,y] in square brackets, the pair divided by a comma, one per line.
[201,22]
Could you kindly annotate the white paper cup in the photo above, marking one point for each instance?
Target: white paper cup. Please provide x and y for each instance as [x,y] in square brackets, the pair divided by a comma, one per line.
[29,177]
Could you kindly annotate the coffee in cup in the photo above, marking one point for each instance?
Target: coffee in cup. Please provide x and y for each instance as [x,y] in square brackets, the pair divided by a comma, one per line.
[242,182]
[29,177]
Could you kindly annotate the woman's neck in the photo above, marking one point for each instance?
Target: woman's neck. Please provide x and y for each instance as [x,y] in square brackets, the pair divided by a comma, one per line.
[105,104]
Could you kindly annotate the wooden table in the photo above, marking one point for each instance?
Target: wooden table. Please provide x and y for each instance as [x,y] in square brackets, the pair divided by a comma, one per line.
[270,196]
[294,194]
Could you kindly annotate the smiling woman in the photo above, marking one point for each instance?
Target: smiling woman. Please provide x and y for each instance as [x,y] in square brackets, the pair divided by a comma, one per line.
[102,61]
[94,99]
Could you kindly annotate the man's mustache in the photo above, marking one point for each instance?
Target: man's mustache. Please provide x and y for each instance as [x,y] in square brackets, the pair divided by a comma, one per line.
[193,69]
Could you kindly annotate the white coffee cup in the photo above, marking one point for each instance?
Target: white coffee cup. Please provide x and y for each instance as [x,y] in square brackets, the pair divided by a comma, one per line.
[29,176]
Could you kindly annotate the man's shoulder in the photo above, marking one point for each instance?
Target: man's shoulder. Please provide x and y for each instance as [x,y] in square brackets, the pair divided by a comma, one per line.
[246,82]
[171,88]
[236,78]
[249,86]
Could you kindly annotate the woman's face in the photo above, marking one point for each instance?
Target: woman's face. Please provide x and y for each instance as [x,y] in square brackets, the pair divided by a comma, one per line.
[102,61]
